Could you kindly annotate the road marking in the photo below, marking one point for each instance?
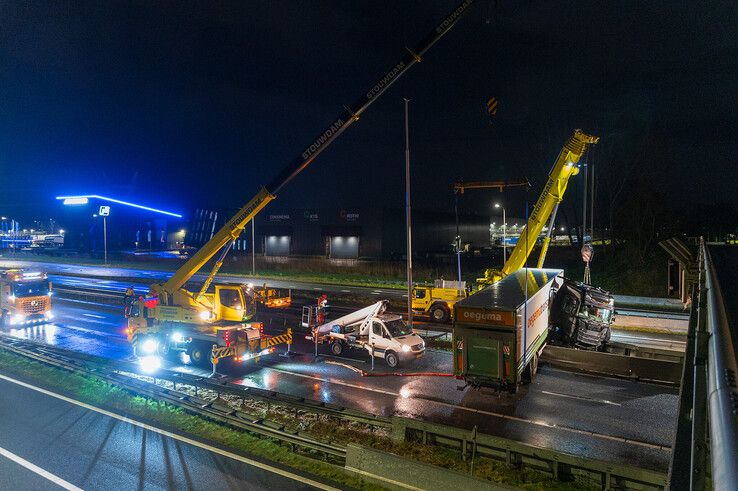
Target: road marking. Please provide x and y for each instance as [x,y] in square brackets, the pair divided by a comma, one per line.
[376,293]
[581,398]
[346,291]
[488,413]
[175,436]
[95,316]
[38,470]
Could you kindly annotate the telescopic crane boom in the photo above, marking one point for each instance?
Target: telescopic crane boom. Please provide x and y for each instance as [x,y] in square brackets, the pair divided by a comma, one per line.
[172,292]
[545,208]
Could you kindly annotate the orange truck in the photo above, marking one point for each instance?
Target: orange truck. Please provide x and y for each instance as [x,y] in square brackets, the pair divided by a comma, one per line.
[25,297]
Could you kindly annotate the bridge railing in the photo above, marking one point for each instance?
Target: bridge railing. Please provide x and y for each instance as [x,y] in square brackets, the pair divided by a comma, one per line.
[708,409]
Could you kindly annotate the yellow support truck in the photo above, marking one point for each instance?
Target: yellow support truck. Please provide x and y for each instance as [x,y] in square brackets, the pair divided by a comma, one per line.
[500,331]
[437,301]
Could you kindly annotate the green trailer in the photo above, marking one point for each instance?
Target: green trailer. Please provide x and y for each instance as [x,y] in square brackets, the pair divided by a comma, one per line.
[500,331]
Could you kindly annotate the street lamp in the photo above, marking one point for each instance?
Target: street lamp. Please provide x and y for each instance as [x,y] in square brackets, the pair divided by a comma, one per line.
[504,233]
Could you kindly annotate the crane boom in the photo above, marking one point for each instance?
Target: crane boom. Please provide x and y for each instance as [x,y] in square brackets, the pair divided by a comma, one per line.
[233,228]
[553,192]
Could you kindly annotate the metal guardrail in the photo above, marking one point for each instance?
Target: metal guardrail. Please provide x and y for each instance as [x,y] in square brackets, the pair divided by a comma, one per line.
[560,466]
[722,377]
[708,408]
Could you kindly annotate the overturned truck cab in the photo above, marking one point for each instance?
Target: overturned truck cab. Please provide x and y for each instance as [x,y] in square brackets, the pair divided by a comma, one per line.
[581,315]
[500,331]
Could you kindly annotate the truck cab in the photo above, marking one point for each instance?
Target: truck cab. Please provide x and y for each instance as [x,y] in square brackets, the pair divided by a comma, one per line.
[25,297]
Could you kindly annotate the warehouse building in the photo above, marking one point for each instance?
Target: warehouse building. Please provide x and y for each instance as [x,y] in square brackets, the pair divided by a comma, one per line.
[343,233]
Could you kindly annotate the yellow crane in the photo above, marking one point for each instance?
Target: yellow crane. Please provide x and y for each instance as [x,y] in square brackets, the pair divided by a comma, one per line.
[172,315]
[545,208]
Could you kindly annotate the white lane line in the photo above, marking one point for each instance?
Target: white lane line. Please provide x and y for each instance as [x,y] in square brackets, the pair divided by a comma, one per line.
[488,413]
[581,398]
[346,291]
[36,469]
[169,434]
[376,293]
[95,316]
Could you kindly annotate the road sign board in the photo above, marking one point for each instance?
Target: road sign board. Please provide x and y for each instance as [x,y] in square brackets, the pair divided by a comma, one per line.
[104,211]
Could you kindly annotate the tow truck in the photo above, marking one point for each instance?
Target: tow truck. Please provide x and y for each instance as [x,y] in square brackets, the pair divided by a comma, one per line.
[25,297]
[214,324]
[370,329]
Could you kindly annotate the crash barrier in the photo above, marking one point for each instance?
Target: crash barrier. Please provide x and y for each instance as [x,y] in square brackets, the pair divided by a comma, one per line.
[165,384]
[649,303]
[708,407]
[90,295]
[560,466]
[399,473]
[651,369]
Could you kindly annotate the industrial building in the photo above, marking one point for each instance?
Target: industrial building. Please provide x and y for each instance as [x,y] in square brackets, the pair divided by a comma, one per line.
[344,233]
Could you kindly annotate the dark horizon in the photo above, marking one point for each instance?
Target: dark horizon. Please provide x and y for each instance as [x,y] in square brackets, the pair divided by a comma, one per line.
[199,105]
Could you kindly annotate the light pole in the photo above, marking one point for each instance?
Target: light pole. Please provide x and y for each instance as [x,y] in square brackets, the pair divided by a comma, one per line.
[504,234]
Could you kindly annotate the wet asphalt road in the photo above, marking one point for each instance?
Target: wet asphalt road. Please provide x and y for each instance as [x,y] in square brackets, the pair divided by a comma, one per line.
[145,277]
[93,451]
[559,410]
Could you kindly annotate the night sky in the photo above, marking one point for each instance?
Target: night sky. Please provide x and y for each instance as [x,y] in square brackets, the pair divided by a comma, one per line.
[180,105]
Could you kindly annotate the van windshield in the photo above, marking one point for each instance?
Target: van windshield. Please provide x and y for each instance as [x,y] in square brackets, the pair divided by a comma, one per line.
[31,288]
[398,328]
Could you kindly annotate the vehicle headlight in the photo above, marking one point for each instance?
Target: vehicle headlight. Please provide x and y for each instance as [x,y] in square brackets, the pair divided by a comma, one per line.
[49,315]
[17,318]
[206,315]
[405,348]
[148,346]
[150,364]
[178,337]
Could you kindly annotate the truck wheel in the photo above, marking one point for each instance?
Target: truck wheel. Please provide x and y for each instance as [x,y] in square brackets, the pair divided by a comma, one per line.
[530,371]
[337,348]
[199,355]
[392,360]
[440,313]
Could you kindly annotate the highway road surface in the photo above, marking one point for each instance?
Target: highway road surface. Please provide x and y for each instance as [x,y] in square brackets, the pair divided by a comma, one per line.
[597,417]
[48,441]
[145,277]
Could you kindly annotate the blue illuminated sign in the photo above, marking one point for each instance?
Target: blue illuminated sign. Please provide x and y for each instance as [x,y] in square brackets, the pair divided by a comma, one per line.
[79,200]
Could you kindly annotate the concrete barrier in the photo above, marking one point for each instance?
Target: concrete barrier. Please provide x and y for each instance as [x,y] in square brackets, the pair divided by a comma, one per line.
[654,369]
[399,473]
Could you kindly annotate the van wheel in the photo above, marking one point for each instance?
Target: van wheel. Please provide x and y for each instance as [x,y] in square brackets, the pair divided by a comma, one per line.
[440,313]
[337,348]
[392,360]
[199,355]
